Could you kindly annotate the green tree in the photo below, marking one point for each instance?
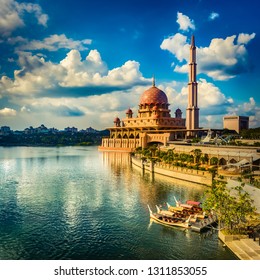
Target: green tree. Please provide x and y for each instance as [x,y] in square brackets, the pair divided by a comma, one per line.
[197,155]
[214,161]
[232,210]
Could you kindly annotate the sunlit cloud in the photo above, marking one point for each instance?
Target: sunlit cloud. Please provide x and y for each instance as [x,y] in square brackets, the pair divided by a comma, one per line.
[184,22]
[213,16]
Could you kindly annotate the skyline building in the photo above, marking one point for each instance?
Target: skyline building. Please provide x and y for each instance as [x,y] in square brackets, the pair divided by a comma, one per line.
[236,123]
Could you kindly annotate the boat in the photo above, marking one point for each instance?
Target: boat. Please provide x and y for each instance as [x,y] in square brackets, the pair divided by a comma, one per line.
[169,218]
[189,208]
[188,215]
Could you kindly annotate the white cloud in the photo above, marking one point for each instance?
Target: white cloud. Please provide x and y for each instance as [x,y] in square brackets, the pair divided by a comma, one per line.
[213,16]
[210,95]
[185,22]
[223,59]
[245,38]
[7,112]
[213,103]
[79,112]
[51,43]
[250,109]
[177,45]
[12,13]
[72,76]
[25,109]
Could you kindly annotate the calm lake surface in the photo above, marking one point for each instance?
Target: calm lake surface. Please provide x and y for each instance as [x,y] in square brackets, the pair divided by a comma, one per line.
[78,203]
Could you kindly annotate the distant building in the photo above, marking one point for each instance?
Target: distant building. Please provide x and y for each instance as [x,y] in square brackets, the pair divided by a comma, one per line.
[71,129]
[29,130]
[42,129]
[91,130]
[236,123]
[39,130]
[5,130]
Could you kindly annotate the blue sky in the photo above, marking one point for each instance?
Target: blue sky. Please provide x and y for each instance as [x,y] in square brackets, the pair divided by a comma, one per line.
[82,63]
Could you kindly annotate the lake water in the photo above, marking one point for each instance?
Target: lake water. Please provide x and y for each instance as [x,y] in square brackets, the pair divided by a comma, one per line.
[78,203]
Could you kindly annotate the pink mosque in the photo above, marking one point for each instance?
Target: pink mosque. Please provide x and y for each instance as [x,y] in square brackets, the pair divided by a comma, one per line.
[154,123]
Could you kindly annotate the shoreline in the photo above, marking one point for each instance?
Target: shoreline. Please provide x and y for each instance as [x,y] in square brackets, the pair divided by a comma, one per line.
[189,175]
[52,146]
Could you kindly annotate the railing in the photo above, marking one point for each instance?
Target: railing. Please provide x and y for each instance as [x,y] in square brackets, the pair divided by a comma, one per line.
[254,232]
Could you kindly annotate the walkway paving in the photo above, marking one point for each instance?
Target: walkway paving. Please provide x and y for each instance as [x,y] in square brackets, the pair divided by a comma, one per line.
[245,249]
[253,192]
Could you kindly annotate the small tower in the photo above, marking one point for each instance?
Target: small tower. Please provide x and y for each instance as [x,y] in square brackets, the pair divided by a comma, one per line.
[117,122]
[129,113]
[192,111]
[178,114]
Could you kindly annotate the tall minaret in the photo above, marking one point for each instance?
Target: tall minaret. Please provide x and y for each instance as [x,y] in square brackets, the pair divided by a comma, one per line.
[192,111]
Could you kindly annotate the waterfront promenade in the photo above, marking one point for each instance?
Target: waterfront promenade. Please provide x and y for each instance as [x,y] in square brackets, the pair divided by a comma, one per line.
[244,248]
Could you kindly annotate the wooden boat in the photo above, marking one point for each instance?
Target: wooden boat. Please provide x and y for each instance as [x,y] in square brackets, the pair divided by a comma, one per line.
[188,208]
[169,218]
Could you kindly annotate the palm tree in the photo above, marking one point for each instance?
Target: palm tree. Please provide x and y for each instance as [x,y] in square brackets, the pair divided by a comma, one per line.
[197,155]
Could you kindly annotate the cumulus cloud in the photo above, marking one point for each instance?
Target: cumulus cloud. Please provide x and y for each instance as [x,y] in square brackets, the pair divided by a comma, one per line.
[245,38]
[213,16]
[72,76]
[213,103]
[54,108]
[7,112]
[223,59]
[33,9]
[210,97]
[51,43]
[250,109]
[79,112]
[177,45]
[12,13]
[185,22]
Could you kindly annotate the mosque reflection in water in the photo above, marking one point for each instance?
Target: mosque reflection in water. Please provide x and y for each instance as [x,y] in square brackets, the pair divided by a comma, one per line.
[153,188]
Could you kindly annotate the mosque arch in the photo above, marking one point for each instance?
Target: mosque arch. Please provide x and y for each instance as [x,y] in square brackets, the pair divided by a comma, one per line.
[222,161]
[158,143]
[232,161]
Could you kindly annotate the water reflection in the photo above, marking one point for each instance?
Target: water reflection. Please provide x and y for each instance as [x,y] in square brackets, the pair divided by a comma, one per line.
[89,205]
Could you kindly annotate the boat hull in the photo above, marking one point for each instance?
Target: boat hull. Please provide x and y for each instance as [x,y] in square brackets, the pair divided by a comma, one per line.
[168,221]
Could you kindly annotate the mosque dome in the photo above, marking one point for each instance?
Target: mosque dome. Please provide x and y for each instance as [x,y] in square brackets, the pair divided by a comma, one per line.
[153,95]
[116,120]
[129,111]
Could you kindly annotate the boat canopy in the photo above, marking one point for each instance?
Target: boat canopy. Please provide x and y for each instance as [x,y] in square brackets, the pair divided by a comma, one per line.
[194,203]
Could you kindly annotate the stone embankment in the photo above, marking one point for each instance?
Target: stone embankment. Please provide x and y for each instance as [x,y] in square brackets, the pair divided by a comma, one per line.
[243,247]
[190,175]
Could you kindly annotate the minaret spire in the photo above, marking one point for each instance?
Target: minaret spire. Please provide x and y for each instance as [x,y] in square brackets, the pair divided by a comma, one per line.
[192,41]
[153,84]
[192,112]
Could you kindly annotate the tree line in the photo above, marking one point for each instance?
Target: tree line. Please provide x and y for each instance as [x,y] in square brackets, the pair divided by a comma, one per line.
[50,139]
